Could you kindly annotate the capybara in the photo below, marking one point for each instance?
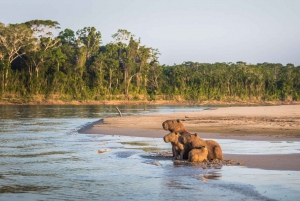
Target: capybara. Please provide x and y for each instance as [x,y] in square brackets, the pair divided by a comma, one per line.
[174,126]
[198,154]
[178,148]
[193,140]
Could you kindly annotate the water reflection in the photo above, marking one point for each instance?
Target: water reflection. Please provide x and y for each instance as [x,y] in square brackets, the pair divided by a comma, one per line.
[215,175]
[23,189]
[87,111]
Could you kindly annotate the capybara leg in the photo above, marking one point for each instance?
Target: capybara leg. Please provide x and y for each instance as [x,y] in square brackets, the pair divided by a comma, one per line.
[190,158]
[173,151]
[181,154]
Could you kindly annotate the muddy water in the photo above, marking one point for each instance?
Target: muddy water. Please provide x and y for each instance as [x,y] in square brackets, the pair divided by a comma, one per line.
[42,157]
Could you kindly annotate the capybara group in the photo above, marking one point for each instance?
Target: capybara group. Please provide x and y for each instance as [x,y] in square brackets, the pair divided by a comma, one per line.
[183,143]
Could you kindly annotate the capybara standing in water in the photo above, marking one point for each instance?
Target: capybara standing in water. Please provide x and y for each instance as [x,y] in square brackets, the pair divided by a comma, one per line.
[174,126]
[193,140]
[178,148]
[198,154]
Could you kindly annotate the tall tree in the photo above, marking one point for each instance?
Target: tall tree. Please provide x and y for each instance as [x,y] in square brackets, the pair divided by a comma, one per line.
[90,39]
[154,74]
[112,64]
[45,43]
[15,41]
[121,40]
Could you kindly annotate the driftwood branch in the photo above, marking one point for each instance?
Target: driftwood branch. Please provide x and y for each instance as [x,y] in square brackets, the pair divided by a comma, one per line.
[119,111]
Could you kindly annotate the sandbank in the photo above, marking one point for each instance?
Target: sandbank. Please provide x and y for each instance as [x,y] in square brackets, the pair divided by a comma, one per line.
[242,123]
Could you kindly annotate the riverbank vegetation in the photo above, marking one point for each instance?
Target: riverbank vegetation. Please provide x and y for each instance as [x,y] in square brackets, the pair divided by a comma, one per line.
[68,66]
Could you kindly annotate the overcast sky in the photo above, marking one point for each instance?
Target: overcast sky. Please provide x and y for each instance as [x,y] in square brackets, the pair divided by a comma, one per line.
[253,31]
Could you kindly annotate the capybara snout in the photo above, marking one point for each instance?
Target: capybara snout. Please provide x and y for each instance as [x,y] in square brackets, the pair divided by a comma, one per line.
[165,125]
[165,139]
[174,126]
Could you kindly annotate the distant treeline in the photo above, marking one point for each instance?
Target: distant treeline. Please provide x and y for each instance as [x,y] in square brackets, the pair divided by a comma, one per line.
[76,66]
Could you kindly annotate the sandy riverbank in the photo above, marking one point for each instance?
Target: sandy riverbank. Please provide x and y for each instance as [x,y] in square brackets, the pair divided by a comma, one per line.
[243,123]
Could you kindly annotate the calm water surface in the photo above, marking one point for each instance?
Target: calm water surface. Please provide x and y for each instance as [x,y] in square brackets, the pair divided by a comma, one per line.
[42,157]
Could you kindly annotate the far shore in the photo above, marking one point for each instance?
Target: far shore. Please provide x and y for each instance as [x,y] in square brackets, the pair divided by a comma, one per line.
[266,123]
[144,102]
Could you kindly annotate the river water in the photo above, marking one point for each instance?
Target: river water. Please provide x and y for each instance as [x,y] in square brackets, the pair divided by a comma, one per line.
[42,157]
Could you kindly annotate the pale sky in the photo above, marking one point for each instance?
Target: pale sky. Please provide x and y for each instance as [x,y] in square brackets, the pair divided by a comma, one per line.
[253,31]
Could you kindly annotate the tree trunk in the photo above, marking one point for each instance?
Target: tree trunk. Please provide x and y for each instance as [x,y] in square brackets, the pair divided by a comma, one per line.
[125,75]
[128,83]
[37,71]
[3,82]
[6,78]
[110,76]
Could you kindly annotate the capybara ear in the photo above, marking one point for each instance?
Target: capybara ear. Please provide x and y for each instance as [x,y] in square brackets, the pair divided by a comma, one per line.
[178,120]
[195,134]
[177,133]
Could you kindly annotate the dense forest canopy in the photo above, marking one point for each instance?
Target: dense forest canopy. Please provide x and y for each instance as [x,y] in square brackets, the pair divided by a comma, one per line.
[77,66]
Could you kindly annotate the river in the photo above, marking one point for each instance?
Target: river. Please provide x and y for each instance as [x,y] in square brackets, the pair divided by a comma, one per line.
[43,157]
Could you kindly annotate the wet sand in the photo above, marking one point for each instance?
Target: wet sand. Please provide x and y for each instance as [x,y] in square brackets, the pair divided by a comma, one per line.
[263,123]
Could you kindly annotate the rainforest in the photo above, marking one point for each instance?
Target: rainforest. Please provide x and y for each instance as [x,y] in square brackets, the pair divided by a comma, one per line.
[38,61]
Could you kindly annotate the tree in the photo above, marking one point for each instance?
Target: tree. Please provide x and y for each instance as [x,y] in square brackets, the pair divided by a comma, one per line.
[15,41]
[111,61]
[67,36]
[134,60]
[90,39]
[45,42]
[154,74]
[121,40]
[68,46]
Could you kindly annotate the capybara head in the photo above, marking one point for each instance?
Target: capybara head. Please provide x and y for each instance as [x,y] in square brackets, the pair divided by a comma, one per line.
[173,125]
[171,137]
[188,138]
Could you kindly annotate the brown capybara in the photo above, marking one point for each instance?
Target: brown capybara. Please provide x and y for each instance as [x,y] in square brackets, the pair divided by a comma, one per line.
[193,140]
[198,154]
[178,148]
[174,126]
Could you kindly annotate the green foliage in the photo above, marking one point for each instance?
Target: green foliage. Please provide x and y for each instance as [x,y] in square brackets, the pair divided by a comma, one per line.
[74,66]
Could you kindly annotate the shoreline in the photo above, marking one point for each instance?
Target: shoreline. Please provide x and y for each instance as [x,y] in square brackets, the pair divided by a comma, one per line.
[97,128]
[147,102]
[263,123]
